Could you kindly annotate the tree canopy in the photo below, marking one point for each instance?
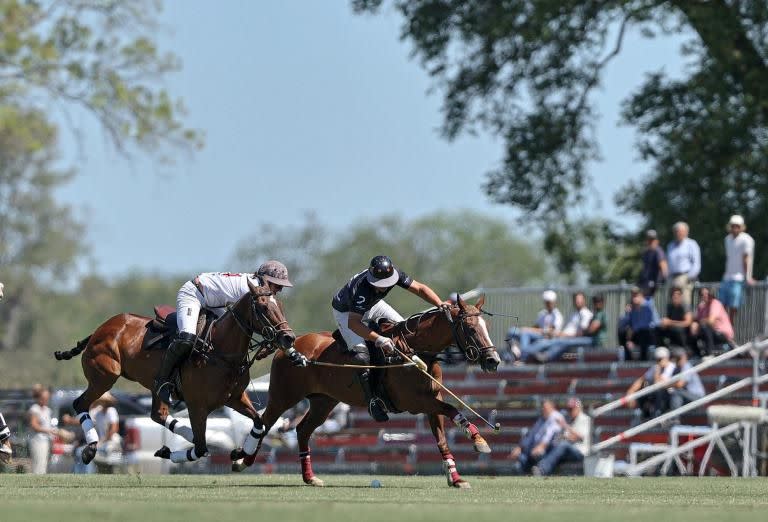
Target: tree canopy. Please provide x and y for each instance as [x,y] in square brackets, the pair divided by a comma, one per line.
[525,70]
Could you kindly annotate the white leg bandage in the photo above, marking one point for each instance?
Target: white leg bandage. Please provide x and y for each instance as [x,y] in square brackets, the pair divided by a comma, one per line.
[187,455]
[175,426]
[88,428]
[252,440]
[4,431]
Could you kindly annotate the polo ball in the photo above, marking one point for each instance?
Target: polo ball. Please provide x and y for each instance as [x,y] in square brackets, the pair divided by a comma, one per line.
[375,483]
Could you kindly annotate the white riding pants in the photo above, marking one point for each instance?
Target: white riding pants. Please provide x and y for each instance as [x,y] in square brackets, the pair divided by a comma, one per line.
[380,310]
[189,301]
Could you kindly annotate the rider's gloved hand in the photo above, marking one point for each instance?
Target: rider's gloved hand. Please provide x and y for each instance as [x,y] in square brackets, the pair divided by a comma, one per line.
[298,359]
[385,343]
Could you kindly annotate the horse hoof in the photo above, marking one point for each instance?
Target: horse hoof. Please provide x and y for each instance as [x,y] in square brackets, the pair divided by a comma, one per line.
[237,454]
[249,460]
[163,453]
[462,484]
[237,467]
[314,481]
[89,452]
[481,446]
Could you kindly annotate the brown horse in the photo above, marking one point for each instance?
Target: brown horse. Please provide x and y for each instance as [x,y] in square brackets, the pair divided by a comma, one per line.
[114,350]
[409,390]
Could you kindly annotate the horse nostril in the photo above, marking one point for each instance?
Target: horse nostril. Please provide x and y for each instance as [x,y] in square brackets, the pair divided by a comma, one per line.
[287,339]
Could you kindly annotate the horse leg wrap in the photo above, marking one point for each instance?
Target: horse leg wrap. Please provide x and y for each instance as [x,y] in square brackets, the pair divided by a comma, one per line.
[449,467]
[251,443]
[88,428]
[469,429]
[178,428]
[187,455]
[306,466]
[5,432]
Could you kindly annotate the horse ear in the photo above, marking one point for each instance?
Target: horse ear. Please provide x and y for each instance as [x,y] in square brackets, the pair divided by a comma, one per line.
[480,302]
[253,288]
[460,301]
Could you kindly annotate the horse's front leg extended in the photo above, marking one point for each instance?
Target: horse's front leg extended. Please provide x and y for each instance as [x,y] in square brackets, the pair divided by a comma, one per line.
[469,429]
[247,453]
[198,418]
[449,464]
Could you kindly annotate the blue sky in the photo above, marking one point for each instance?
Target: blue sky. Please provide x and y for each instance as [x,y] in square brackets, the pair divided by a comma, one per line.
[305,107]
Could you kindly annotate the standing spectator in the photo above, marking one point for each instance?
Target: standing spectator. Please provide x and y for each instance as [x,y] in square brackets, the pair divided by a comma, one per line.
[39,417]
[656,403]
[573,445]
[688,389]
[539,438]
[107,423]
[684,258]
[548,324]
[638,327]
[739,257]
[712,326]
[5,442]
[654,270]
[674,326]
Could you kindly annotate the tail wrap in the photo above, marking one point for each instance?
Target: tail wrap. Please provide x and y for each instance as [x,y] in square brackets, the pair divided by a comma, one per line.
[74,352]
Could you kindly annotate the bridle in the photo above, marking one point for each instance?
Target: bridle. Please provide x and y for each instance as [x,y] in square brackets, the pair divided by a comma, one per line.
[267,331]
[471,351]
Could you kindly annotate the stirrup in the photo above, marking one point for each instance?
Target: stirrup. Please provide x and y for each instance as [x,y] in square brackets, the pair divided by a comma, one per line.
[163,391]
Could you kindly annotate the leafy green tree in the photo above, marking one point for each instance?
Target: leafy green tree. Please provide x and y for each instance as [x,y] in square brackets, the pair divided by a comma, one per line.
[449,251]
[96,55]
[526,70]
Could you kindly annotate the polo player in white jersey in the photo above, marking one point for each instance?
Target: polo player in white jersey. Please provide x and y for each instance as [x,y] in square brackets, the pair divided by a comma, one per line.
[213,291]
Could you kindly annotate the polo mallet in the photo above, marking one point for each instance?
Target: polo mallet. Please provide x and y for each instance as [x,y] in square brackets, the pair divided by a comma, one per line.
[422,366]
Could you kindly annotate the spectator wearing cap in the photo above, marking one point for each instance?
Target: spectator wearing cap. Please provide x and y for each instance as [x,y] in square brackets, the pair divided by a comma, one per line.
[573,444]
[538,440]
[638,328]
[684,259]
[574,330]
[674,326]
[593,335]
[712,326]
[548,324]
[654,270]
[688,389]
[656,403]
[739,257]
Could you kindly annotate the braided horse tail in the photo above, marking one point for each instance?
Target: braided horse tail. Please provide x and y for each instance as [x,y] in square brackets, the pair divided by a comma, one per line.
[74,352]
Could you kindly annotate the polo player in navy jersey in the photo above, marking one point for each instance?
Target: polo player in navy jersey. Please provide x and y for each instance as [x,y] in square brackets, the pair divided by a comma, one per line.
[361,300]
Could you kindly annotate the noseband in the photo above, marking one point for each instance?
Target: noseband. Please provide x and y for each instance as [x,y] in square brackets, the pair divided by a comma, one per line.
[265,329]
[471,351]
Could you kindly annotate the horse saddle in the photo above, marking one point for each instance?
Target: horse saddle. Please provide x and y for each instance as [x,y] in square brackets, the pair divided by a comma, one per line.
[163,328]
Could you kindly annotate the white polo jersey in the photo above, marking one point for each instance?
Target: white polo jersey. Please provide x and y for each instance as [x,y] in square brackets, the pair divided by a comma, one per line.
[735,250]
[220,288]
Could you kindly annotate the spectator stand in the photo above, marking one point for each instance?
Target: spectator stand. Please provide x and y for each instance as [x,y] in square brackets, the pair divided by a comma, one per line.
[746,424]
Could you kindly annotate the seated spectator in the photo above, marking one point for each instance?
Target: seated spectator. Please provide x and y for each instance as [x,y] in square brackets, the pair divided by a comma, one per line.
[654,269]
[673,327]
[573,444]
[638,328]
[653,404]
[688,389]
[548,324]
[712,326]
[593,335]
[538,441]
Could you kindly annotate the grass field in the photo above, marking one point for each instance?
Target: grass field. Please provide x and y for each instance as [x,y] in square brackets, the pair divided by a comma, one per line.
[221,498]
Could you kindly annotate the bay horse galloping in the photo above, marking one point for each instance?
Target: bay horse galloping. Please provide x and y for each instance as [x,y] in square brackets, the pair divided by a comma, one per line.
[427,334]
[114,350]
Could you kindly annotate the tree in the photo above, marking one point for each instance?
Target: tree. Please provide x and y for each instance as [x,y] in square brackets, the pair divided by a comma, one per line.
[40,239]
[450,252]
[525,70]
[97,55]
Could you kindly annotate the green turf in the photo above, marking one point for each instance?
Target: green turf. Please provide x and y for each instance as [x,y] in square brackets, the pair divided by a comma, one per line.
[283,498]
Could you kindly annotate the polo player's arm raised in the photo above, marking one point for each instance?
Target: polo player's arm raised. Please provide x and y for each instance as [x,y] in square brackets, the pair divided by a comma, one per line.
[425,292]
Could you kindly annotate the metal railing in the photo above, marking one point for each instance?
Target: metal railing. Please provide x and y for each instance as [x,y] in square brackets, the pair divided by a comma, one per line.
[525,303]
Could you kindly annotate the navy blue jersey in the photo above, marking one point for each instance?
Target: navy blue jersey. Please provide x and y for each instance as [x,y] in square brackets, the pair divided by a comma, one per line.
[359,296]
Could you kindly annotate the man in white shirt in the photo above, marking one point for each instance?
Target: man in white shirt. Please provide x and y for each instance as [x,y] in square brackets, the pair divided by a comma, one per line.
[574,443]
[653,404]
[683,260]
[548,324]
[538,441]
[739,252]
[577,326]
